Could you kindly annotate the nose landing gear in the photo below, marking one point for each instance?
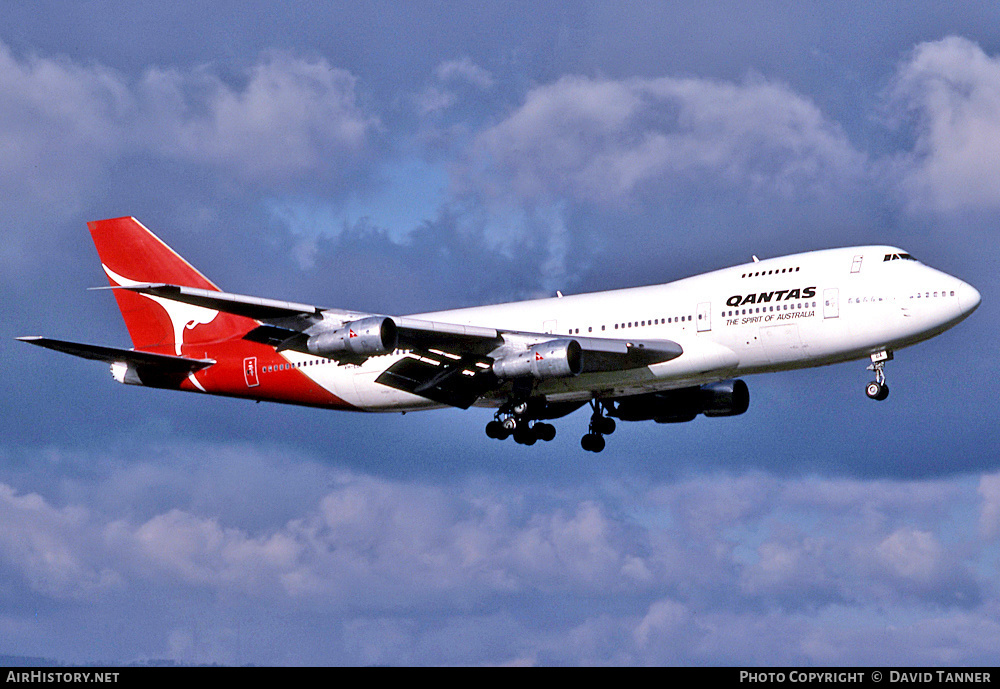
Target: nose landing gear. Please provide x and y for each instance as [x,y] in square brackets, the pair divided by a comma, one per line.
[600,426]
[877,389]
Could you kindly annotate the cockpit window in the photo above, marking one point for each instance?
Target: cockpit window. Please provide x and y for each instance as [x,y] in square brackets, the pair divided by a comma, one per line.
[896,257]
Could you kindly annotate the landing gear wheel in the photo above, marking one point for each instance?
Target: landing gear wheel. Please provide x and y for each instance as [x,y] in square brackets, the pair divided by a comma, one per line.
[600,426]
[877,391]
[873,390]
[518,417]
[604,425]
[495,430]
[592,442]
[545,431]
[525,435]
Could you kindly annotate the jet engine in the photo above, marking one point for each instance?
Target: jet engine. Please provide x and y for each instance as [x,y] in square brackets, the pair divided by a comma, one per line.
[148,376]
[367,336]
[125,374]
[725,398]
[552,359]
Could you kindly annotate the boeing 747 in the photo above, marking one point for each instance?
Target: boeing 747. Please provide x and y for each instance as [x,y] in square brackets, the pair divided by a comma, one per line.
[665,353]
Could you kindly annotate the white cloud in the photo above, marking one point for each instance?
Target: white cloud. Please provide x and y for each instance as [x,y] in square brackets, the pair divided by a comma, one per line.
[292,117]
[59,123]
[716,569]
[911,554]
[464,70]
[451,77]
[611,141]
[50,549]
[63,125]
[667,621]
[434,99]
[989,515]
[951,88]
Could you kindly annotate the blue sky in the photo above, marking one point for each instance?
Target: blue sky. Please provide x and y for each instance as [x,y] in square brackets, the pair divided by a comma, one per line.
[403,157]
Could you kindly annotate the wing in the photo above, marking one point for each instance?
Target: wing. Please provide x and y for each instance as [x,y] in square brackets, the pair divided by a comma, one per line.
[449,363]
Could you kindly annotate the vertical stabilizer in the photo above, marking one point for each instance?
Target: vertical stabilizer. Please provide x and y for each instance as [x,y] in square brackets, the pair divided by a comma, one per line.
[131,254]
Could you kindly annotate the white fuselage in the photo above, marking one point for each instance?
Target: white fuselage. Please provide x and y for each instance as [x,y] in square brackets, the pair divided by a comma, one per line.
[776,314]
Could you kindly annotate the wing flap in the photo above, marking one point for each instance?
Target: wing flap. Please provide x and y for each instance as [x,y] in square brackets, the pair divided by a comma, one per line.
[441,379]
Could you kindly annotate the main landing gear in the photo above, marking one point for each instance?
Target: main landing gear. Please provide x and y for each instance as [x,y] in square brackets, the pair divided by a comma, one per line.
[600,426]
[512,420]
[877,389]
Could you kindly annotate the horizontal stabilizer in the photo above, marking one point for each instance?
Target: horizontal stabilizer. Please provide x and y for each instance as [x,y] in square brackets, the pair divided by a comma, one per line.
[164,362]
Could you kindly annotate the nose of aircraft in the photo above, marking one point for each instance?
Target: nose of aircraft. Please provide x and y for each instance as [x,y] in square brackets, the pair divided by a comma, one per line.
[968,297]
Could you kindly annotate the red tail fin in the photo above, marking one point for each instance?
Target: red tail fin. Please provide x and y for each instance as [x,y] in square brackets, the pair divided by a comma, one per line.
[132,254]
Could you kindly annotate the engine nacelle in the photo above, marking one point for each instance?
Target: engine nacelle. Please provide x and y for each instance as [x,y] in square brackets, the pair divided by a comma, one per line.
[552,359]
[367,336]
[125,373]
[725,398]
[147,376]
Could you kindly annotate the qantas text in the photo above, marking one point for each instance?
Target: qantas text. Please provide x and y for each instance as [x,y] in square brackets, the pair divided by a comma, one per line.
[765,297]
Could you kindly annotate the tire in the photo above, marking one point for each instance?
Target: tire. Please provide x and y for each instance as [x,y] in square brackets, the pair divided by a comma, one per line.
[873,390]
[883,393]
[525,435]
[495,430]
[545,431]
[605,425]
[592,442]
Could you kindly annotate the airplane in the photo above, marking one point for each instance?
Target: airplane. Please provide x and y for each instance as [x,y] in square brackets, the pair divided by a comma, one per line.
[666,353]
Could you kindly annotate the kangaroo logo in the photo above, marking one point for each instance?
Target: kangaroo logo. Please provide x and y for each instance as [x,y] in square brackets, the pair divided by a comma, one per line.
[182,316]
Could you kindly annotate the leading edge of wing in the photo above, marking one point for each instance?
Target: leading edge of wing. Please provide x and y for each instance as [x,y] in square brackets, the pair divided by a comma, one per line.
[111,355]
[257,308]
[600,354]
